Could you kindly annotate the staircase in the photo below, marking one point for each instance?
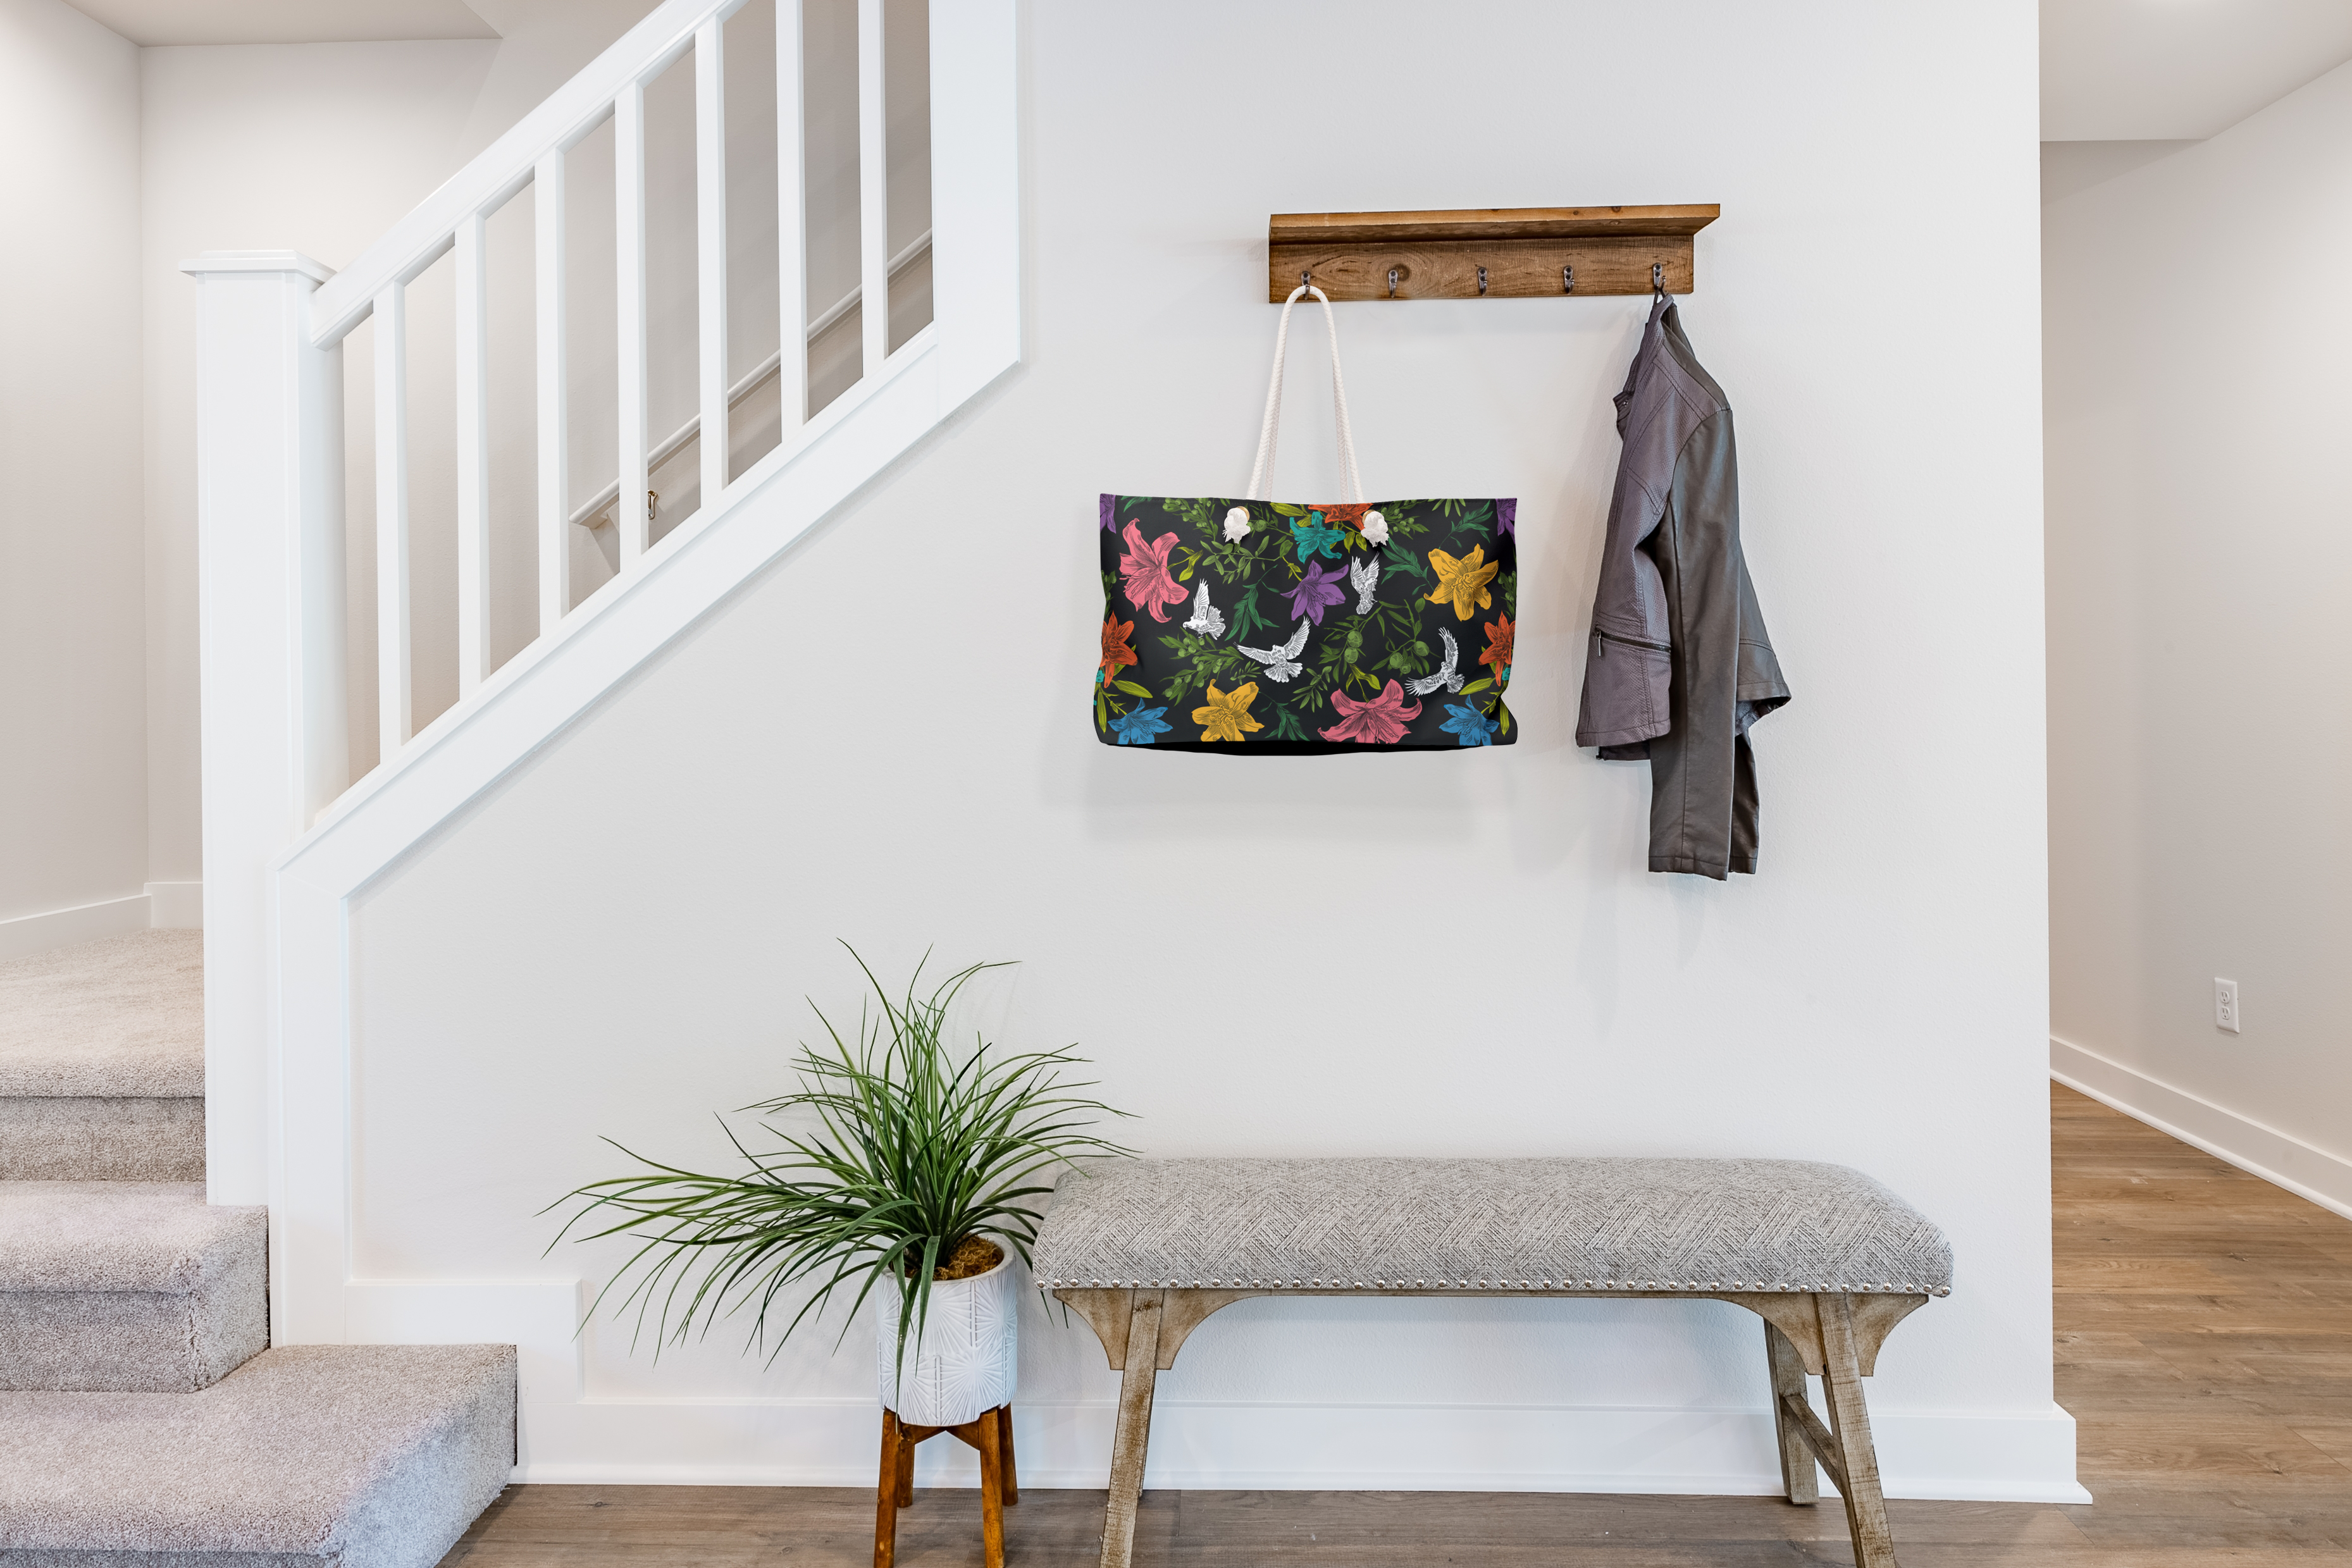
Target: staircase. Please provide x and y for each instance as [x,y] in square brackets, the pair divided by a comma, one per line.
[143,1417]
[291,838]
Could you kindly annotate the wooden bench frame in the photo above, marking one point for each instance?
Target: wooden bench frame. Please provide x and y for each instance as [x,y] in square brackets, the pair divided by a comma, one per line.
[1834,1336]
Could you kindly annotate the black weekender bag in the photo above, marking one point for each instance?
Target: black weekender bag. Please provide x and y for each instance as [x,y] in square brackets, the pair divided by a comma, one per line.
[1306,629]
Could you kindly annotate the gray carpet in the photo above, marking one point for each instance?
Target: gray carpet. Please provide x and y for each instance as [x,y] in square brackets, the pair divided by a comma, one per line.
[121,1016]
[128,1287]
[93,1138]
[356,1456]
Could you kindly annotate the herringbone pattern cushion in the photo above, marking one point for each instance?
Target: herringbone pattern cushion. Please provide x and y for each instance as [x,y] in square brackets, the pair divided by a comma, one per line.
[1535,1225]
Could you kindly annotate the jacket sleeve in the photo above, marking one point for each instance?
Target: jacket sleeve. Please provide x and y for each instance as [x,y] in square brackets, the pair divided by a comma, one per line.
[1695,768]
[1627,658]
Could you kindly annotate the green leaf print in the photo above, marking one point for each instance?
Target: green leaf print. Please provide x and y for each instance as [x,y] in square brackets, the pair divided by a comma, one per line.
[1246,618]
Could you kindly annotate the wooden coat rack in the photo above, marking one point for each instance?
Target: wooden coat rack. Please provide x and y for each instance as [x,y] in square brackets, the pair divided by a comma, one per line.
[1496,253]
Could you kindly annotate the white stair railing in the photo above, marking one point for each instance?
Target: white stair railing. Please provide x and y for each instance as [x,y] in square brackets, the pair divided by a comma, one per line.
[289,837]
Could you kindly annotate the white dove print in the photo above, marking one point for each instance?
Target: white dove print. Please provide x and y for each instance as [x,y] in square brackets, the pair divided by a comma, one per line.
[1365,575]
[1445,675]
[1282,663]
[1208,620]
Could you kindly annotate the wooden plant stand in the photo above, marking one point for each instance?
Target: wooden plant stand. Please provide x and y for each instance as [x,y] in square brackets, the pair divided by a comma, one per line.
[990,1435]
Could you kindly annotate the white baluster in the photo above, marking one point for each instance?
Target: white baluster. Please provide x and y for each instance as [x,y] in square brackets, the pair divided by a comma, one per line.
[629,514]
[873,192]
[554,463]
[392,521]
[473,465]
[710,248]
[791,218]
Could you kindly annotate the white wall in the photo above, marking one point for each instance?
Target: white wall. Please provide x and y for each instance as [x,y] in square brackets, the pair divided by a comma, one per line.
[2200,708]
[73,829]
[885,738]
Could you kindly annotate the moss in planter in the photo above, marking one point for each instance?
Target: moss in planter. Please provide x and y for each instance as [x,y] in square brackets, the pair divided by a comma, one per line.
[973,1255]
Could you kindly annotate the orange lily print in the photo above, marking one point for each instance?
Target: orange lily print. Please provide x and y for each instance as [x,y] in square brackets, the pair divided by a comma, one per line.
[1498,652]
[1227,713]
[1462,583]
[1116,654]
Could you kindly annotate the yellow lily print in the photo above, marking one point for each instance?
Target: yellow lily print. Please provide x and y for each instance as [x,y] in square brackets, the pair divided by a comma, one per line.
[1227,714]
[1462,583]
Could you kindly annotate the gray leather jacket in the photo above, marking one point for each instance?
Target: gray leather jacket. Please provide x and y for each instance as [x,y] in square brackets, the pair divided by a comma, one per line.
[1680,664]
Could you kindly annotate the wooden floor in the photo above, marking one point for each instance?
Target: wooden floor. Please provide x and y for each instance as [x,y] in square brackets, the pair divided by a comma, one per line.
[2204,1347]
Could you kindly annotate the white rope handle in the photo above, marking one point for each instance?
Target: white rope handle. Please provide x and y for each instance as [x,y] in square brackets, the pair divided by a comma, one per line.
[1262,473]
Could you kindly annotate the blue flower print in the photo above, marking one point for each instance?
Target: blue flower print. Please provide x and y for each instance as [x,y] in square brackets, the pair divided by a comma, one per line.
[1311,537]
[1138,726]
[1469,726]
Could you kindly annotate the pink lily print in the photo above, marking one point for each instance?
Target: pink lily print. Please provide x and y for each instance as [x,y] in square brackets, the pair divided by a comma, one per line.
[1150,586]
[1379,722]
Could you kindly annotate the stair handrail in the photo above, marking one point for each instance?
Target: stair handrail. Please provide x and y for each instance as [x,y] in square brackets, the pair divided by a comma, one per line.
[403,252]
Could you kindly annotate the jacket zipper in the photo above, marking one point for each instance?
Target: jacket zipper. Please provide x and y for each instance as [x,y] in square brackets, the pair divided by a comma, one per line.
[1600,641]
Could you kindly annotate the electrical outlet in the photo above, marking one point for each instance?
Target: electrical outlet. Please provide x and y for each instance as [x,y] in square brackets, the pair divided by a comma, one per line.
[2225,1005]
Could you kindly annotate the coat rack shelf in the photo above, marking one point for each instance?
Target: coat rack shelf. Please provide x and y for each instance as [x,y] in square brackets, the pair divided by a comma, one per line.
[1499,253]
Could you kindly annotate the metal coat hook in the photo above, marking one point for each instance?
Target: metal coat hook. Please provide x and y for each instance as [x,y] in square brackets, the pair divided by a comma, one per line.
[1392,277]
[1657,280]
[1568,280]
[1482,280]
[1306,280]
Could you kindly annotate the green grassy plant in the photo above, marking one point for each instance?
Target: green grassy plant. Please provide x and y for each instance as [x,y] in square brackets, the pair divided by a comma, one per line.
[915,1149]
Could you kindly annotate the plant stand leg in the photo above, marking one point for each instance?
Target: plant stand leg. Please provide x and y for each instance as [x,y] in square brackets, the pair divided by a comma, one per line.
[1801,1478]
[992,1488]
[1134,1434]
[886,1493]
[908,1439]
[1865,1507]
[1004,1448]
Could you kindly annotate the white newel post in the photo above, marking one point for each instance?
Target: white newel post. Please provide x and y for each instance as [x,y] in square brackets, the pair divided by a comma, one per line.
[271,591]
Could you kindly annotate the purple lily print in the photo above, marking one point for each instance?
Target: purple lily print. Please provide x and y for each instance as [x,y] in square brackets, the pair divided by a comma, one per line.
[1507,516]
[1316,593]
[1110,505]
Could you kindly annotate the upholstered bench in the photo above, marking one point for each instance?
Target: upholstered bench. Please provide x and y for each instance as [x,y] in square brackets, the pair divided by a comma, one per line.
[1145,1249]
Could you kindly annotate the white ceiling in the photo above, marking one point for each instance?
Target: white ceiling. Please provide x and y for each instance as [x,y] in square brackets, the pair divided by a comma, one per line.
[286,21]
[2129,70]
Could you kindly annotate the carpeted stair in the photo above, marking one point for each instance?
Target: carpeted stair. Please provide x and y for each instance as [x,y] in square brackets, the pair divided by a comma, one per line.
[143,1423]
[128,1287]
[103,1061]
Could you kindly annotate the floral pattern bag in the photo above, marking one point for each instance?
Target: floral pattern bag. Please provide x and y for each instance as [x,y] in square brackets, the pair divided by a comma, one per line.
[1273,629]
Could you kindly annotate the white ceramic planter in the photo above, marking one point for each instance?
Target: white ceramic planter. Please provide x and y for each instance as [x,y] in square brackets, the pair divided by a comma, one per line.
[970,1352]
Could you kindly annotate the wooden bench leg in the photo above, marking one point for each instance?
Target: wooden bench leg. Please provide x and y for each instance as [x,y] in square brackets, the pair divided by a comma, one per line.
[1134,1434]
[1801,1478]
[1865,1507]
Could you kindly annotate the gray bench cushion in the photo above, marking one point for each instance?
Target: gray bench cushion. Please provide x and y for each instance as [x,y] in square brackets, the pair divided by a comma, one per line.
[1512,1224]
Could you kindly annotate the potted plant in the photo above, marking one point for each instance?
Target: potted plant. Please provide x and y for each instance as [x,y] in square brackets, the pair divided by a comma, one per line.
[910,1178]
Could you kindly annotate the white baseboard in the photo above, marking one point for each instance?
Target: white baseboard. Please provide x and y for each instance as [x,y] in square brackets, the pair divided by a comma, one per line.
[1999,1456]
[2277,1158]
[175,905]
[30,933]
[2007,1457]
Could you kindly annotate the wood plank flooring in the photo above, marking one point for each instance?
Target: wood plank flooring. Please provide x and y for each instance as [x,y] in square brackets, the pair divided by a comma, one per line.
[2204,1346]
